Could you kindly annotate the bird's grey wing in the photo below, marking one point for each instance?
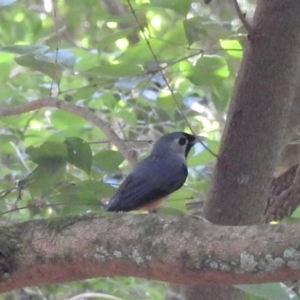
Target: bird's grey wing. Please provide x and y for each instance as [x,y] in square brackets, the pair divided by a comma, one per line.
[152,180]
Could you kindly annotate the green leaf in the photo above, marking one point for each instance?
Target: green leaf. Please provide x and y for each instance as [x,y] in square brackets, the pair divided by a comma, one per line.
[87,191]
[85,59]
[45,177]
[296,213]
[169,104]
[50,63]
[64,120]
[194,29]
[108,160]
[47,152]
[79,153]
[176,36]
[127,116]
[221,96]
[204,157]
[115,70]
[203,29]
[140,53]
[274,291]
[63,57]
[109,100]
[6,57]
[24,49]
[232,47]
[40,62]
[181,7]
[112,38]
[84,93]
[5,68]
[179,199]
[210,70]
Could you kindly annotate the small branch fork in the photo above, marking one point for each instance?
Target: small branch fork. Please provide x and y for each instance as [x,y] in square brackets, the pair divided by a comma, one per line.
[242,16]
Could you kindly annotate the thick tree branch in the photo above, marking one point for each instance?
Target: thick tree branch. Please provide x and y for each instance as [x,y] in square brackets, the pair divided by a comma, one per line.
[77,110]
[174,249]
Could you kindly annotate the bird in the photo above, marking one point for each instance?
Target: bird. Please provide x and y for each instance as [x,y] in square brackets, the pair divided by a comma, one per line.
[156,177]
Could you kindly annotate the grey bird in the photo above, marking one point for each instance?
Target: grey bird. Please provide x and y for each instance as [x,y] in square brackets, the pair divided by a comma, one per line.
[155,177]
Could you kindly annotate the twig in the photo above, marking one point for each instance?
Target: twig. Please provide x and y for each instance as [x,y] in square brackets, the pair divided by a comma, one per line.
[77,110]
[165,79]
[20,156]
[242,16]
[57,46]
[158,65]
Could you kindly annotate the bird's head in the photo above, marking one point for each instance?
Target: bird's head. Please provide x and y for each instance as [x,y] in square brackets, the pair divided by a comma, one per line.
[176,142]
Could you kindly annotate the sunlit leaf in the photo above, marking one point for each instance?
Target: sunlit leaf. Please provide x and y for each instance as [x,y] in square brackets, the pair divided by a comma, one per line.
[209,70]
[115,36]
[232,47]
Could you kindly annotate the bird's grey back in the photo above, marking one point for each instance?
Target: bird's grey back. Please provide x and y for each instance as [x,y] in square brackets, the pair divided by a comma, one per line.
[167,175]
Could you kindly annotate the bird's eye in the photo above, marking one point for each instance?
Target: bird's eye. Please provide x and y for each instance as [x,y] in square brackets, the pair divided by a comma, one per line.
[182,141]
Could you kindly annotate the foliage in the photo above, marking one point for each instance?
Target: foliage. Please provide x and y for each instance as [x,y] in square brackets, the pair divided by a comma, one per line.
[147,68]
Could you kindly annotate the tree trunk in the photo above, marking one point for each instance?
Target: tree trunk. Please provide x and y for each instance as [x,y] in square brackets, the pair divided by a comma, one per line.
[256,128]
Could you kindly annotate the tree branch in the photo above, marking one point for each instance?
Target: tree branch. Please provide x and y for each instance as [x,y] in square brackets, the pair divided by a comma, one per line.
[77,110]
[168,248]
[242,16]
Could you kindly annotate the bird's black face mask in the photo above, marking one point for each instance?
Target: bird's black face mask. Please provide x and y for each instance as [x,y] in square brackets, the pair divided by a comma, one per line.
[191,141]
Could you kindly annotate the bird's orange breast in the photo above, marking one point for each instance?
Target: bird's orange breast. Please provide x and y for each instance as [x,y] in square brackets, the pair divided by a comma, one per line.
[151,206]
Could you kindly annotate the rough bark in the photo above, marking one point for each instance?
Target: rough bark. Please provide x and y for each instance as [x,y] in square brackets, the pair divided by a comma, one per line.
[281,207]
[258,115]
[285,196]
[182,250]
